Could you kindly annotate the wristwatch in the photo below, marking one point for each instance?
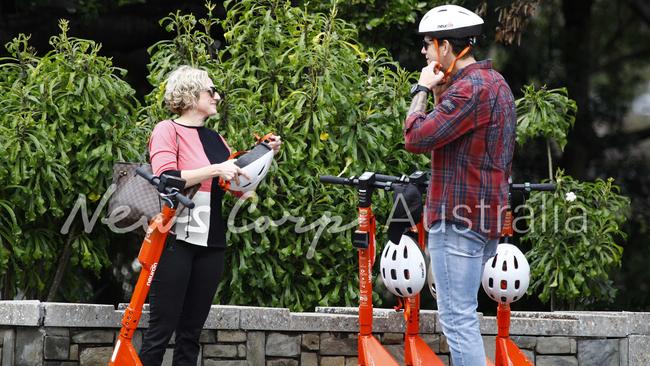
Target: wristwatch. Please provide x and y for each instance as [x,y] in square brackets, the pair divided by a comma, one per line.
[416,88]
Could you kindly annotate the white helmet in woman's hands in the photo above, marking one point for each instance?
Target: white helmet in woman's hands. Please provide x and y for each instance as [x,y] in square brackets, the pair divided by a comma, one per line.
[506,275]
[450,21]
[402,267]
[255,164]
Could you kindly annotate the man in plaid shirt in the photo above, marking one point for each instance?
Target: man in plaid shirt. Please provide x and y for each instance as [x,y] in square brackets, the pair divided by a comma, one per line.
[470,135]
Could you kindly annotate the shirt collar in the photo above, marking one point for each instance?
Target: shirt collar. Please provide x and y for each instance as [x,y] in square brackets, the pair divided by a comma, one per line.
[484,64]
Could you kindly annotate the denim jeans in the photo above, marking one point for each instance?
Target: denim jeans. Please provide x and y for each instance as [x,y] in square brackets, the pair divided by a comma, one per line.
[457,259]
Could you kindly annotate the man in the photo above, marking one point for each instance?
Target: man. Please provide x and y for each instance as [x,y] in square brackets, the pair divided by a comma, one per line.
[470,135]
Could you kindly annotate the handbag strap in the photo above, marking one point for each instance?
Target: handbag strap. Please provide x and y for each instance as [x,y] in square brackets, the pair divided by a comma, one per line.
[178,147]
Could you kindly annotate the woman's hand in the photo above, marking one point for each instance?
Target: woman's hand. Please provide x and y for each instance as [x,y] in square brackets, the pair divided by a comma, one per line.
[229,171]
[275,143]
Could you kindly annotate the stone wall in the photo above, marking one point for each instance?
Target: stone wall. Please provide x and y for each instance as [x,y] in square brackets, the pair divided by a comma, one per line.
[34,333]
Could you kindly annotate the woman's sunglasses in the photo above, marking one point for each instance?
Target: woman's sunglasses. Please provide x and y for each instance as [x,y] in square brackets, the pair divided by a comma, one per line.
[213,91]
[426,44]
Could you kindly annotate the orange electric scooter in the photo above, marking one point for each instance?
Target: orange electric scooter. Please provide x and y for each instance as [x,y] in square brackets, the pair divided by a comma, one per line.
[124,354]
[507,352]
[371,352]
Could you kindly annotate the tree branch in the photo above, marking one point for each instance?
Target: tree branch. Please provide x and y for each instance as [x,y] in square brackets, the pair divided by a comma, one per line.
[642,9]
[620,59]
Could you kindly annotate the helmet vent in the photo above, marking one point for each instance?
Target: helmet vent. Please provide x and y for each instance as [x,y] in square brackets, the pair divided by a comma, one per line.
[494,261]
[503,299]
[399,292]
[410,291]
[515,298]
[504,284]
[490,282]
[407,275]
[406,252]
[394,255]
[517,284]
[386,254]
[383,273]
[504,267]
[393,274]
[516,263]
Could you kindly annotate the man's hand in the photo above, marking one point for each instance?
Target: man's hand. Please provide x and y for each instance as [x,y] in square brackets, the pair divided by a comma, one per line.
[430,76]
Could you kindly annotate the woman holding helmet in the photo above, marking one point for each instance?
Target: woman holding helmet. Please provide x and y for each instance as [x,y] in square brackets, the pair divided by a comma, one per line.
[192,262]
[470,135]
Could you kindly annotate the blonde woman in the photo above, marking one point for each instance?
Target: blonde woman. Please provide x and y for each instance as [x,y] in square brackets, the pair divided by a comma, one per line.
[192,263]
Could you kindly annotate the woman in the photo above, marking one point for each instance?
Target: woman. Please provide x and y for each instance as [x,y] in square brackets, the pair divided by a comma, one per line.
[192,263]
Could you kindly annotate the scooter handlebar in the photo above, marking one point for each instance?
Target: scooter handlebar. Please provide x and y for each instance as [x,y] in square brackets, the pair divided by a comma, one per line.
[168,190]
[549,187]
[336,180]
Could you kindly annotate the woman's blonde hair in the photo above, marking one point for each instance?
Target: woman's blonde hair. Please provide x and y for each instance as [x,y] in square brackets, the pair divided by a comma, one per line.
[183,88]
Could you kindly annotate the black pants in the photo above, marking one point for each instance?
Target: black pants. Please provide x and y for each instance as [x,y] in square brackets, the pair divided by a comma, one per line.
[181,294]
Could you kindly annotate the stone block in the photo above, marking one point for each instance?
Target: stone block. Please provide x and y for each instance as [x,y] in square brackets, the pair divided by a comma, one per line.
[8,344]
[309,359]
[21,313]
[351,361]
[207,336]
[80,315]
[282,345]
[56,348]
[311,341]
[555,345]
[598,352]
[444,346]
[74,352]
[257,318]
[95,356]
[332,345]
[316,322]
[282,362]
[209,362]
[241,351]
[489,344]
[638,354]
[524,342]
[220,350]
[535,324]
[332,361]
[623,351]
[638,323]
[444,359]
[255,349]
[393,338]
[223,317]
[93,337]
[29,346]
[231,336]
[57,332]
[599,324]
[556,361]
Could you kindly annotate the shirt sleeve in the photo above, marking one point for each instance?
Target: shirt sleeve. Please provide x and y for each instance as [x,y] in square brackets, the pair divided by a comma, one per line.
[450,119]
[163,148]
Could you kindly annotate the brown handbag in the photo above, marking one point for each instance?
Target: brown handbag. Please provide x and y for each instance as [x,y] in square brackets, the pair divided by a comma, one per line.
[134,197]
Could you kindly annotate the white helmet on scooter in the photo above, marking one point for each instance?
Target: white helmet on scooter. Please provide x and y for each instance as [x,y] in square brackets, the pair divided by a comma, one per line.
[506,275]
[255,164]
[450,21]
[402,267]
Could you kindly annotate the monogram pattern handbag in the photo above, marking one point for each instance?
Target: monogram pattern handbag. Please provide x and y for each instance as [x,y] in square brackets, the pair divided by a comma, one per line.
[134,197]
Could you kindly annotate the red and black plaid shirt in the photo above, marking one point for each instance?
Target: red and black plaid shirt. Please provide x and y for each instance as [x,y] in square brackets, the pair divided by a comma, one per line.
[470,135]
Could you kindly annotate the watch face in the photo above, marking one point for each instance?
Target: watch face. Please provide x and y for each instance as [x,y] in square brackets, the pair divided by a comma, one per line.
[414,88]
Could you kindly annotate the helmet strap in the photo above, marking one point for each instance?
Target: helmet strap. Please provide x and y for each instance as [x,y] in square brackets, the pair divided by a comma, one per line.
[438,67]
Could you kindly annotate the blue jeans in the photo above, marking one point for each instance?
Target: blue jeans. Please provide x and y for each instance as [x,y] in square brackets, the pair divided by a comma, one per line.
[457,259]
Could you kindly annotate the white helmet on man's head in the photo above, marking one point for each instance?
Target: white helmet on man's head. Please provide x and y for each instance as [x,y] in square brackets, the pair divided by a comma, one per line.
[450,21]
[402,267]
[506,275]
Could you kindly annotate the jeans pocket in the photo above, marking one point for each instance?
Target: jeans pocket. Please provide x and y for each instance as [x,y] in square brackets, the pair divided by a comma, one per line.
[470,243]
